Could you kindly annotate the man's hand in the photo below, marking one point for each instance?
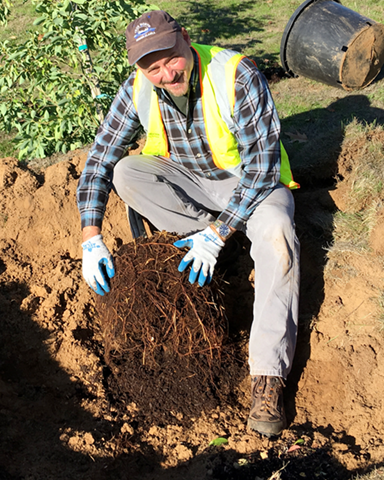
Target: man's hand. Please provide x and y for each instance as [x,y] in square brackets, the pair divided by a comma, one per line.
[205,247]
[97,261]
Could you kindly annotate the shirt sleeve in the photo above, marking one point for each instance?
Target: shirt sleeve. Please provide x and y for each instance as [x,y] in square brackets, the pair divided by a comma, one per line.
[112,141]
[258,135]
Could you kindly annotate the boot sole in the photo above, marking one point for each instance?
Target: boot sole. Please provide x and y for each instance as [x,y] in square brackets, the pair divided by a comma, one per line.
[268,429]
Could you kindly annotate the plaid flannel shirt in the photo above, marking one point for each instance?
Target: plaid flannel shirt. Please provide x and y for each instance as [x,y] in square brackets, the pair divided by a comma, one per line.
[257,133]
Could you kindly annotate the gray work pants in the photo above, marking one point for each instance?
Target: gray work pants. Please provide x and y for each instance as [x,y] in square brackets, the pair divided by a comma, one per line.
[174,199]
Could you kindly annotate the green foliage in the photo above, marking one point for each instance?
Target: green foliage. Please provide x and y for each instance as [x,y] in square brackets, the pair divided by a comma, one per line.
[5,8]
[48,87]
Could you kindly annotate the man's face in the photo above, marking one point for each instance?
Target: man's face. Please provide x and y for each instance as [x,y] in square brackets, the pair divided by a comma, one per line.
[170,69]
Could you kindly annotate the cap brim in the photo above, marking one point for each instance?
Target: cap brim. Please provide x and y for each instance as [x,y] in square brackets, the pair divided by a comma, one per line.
[141,50]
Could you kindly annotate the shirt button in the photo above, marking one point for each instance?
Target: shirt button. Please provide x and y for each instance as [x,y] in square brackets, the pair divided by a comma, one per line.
[208,174]
[198,155]
[189,131]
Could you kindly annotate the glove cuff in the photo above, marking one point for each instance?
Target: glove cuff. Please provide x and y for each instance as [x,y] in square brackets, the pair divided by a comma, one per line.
[95,238]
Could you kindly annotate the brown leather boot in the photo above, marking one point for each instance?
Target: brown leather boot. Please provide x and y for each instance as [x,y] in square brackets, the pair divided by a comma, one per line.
[267,415]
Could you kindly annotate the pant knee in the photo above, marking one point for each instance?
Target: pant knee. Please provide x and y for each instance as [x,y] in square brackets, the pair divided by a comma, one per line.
[124,172]
[124,165]
[273,237]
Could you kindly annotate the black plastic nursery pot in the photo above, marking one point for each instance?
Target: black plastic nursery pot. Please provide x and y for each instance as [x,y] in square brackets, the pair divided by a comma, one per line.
[330,43]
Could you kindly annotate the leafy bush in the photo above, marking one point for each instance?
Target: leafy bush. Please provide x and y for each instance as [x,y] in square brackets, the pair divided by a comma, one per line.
[51,91]
[5,8]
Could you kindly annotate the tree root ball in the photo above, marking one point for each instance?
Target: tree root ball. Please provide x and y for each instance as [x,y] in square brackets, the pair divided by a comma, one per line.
[166,341]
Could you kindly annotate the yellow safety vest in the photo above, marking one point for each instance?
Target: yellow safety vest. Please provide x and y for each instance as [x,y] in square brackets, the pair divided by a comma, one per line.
[217,81]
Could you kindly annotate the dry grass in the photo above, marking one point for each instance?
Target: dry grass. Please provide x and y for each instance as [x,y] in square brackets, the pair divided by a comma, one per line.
[362,183]
[376,474]
[362,178]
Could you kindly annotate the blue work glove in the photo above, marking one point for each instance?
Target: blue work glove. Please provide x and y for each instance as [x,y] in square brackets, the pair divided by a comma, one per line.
[96,262]
[205,247]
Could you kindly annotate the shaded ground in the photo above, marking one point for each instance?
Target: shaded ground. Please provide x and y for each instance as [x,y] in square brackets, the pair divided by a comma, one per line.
[58,415]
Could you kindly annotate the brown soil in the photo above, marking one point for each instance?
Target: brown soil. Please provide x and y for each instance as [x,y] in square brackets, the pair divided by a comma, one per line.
[62,417]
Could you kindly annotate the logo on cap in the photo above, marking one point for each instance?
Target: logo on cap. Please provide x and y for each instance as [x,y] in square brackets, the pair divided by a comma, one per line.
[143,30]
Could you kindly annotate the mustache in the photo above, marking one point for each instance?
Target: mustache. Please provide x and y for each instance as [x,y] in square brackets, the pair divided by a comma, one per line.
[176,79]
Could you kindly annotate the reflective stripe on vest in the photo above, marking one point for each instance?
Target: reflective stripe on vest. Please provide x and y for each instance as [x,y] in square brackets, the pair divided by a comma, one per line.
[217,82]
[147,106]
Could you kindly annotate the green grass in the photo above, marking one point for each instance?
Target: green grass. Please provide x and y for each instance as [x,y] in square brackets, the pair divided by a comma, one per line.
[20,21]
[7,148]
[254,28]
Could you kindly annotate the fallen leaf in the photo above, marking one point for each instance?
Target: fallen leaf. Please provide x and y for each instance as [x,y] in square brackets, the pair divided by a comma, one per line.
[293,448]
[218,441]
[297,137]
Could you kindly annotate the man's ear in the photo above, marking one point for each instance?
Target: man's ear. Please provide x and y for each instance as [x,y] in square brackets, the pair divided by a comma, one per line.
[186,36]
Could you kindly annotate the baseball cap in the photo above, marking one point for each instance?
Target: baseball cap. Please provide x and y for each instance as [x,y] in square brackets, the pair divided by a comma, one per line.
[152,32]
